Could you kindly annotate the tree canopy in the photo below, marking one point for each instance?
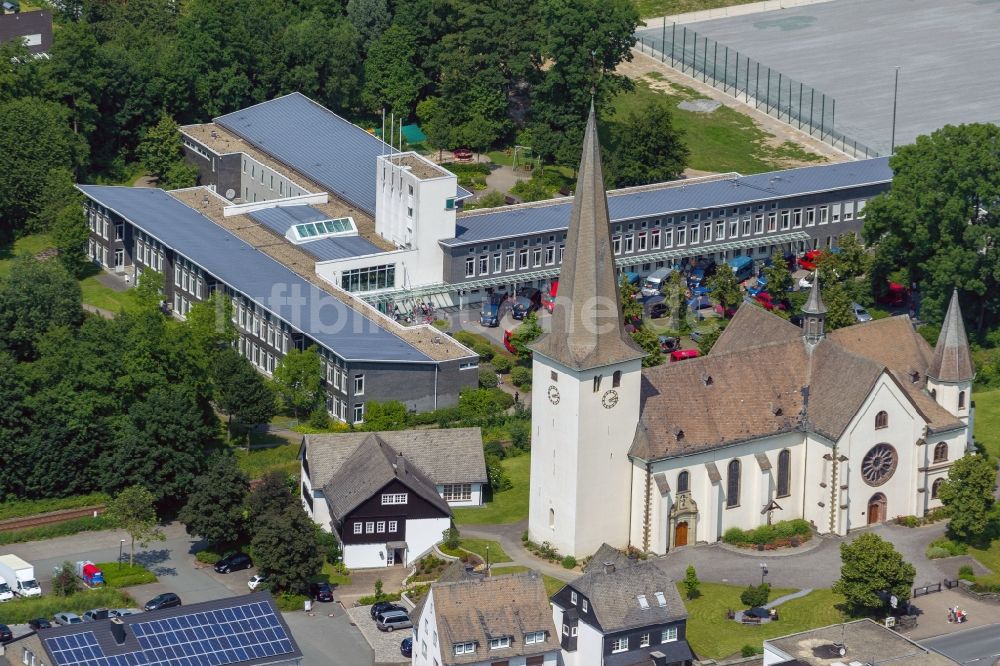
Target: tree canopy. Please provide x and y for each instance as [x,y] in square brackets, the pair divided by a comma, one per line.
[647,148]
[215,507]
[298,380]
[968,494]
[871,566]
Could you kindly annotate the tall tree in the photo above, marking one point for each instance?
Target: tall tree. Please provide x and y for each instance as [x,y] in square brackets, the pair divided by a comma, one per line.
[940,217]
[647,147]
[392,78]
[211,324]
[134,511]
[34,139]
[271,495]
[161,147]
[779,278]
[869,568]
[59,192]
[34,297]
[286,549]
[529,331]
[632,309]
[298,381]
[12,421]
[839,312]
[370,19]
[968,494]
[650,343]
[70,234]
[240,392]
[215,508]
[725,290]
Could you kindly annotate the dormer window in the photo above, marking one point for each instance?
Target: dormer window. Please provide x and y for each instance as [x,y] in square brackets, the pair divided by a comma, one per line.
[468,647]
[500,643]
[533,637]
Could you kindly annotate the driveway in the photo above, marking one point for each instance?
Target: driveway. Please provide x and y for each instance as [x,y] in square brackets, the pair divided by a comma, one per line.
[385,644]
[326,632]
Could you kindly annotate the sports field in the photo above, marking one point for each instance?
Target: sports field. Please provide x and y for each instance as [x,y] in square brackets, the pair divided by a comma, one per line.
[948,55]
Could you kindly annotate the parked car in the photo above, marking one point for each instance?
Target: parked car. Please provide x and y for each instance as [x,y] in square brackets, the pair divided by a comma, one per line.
[394,620]
[234,562]
[490,314]
[161,601]
[406,647]
[66,618]
[764,300]
[809,259]
[549,298]
[528,300]
[462,154]
[895,295]
[658,310]
[321,591]
[668,343]
[39,623]
[728,313]
[6,635]
[95,614]
[256,581]
[383,607]
[654,281]
[508,345]
[702,271]
[683,355]
[860,313]
[123,612]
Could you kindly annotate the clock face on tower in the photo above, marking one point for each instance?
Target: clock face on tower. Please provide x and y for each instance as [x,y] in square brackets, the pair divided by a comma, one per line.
[553,395]
[609,399]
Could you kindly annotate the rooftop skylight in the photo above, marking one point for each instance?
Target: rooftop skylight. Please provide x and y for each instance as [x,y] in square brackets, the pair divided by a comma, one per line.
[310,231]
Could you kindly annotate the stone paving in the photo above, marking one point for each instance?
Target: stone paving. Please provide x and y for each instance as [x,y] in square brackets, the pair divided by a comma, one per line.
[384,643]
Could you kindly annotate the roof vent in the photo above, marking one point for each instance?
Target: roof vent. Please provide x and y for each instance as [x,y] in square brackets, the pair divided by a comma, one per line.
[215,135]
[436,340]
[118,630]
[914,376]
[609,567]
[204,201]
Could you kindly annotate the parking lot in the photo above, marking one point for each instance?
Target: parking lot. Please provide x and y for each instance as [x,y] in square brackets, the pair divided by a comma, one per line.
[384,643]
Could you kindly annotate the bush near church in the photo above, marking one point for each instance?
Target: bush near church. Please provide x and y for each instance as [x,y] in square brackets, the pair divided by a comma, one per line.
[779,535]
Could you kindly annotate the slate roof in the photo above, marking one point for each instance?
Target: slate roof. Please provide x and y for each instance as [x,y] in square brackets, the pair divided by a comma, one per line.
[613,595]
[446,455]
[587,330]
[322,316]
[760,380]
[952,361]
[478,610]
[317,143]
[367,470]
[281,218]
[262,637]
[677,198]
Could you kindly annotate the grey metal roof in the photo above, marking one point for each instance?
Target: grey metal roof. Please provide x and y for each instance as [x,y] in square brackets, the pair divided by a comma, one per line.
[281,218]
[317,143]
[320,315]
[504,223]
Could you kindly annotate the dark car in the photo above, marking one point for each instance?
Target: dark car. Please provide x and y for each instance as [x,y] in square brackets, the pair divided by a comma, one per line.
[95,614]
[321,591]
[234,562]
[161,601]
[39,623]
[6,635]
[383,607]
[490,315]
[406,647]
[528,300]
[701,272]
[658,310]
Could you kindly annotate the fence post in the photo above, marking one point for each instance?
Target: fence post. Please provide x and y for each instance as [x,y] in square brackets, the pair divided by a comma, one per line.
[822,118]
[778,106]
[704,63]
[673,40]
[800,105]
[663,39]
[715,65]
[684,46]
[833,113]
[746,86]
[812,99]
[756,92]
[694,57]
[725,72]
[767,99]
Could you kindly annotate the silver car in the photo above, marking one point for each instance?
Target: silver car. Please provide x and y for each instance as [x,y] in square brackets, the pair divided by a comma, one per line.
[66,618]
[393,620]
[860,313]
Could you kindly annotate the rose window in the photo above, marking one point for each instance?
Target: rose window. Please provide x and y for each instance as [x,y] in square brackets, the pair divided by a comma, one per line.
[878,465]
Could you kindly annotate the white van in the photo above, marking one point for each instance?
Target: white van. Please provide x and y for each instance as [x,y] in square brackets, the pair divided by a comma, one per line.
[654,281]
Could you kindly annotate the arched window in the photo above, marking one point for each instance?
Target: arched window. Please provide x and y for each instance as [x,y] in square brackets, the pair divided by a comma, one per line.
[733,484]
[784,473]
[935,487]
[616,379]
[683,482]
[941,452]
[882,420]
[961,399]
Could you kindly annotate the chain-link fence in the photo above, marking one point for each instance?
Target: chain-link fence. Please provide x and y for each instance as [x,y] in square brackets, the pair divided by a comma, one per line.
[744,78]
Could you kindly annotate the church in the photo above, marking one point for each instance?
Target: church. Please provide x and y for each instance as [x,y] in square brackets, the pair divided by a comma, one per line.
[841,428]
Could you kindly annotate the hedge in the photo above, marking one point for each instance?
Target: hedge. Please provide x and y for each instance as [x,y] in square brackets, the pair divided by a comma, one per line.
[122,575]
[20,610]
[768,534]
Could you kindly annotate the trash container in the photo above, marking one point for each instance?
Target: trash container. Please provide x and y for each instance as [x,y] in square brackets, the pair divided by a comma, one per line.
[309,605]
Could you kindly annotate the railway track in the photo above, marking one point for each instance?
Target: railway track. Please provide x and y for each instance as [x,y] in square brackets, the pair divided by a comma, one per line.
[50,518]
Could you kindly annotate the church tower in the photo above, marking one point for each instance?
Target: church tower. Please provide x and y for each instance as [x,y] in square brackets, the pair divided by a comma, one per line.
[814,314]
[949,376]
[586,378]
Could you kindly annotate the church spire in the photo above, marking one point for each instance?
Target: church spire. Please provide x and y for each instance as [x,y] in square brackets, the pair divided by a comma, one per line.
[814,313]
[587,330]
[952,361]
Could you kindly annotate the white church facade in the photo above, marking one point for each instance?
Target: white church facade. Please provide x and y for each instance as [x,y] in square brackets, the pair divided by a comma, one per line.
[842,428]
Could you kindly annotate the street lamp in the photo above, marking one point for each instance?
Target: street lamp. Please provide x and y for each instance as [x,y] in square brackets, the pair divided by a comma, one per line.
[763,572]
[487,559]
[121,549]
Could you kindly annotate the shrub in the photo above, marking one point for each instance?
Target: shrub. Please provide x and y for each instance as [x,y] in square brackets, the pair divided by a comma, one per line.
[568,562]
[763,534]
[497,475]
[908,521]
[122,575]
[75,526]
[452,539]
[502,364]
[484,349]
[789,528]
[526,387]
[370,599]
[494,449]
[287,602]
[750,651]
[952,547]
[965,572]
[520,376]
[319,418]
[207,556]
[441,324]
[328,545]
[936,553]
[524,536]
[734,536]
[468,339]
[691,583]
[20,610]
[487,378]
[756,595]
[64,581]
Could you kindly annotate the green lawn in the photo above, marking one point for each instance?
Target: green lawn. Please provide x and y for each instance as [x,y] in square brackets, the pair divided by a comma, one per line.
[478,546]
[28,245]
[711,635]
[118,575]
[987,427]
[277,454]
[723,140]
[330,575]
[508,506]
[106,298]
[650,8]
[552,584]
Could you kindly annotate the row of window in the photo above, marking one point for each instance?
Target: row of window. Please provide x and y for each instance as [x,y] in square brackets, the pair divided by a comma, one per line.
[182,304]
[620,644]
[148,252]
[338,409]
[394,498]
[188,277]
[733,479]
[458,492]
[260,357]
[258,170]
[369,278]
[376,527]
[261,326]
[499,643]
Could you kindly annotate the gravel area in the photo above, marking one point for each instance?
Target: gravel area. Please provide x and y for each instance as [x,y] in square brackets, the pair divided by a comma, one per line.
[384,643]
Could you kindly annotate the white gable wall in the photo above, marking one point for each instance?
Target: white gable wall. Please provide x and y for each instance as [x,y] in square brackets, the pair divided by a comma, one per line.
[426,647]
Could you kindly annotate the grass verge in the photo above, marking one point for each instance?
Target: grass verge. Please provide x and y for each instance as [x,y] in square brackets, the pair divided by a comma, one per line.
[652,8]
[120,574]
[712,635]
[552,584]
[275,453]
[57,530]
[101,296]
[507,506]
[27,245]
[987,426]
[20,611]
[478,546]
[24,508]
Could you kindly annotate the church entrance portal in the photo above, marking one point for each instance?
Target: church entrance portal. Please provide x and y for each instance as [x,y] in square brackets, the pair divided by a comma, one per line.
[681,534]
[876,509]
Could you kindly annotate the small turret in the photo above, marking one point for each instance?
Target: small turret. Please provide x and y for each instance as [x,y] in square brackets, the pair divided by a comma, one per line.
[814,314]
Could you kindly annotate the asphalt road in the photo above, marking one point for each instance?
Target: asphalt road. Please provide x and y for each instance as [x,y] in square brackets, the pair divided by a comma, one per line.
[980,646]
[325,636]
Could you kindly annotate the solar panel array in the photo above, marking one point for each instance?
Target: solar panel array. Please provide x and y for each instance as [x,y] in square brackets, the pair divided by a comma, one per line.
[207,638]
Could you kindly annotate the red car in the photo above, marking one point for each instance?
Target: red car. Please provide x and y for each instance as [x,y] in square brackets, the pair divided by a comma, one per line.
[507,335]
[809,259]
[549,299]
[683,355]
[896,295]
[764,300]
[462,154]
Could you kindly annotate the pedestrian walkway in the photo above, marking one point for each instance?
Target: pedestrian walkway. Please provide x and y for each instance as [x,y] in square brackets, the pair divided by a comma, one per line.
[788,597]
[509,538]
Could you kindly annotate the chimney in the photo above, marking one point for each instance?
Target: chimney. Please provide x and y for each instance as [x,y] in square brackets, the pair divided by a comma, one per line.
[400,464]
[659,659]
[609,567]
[118,630]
